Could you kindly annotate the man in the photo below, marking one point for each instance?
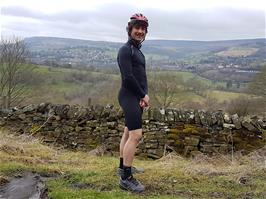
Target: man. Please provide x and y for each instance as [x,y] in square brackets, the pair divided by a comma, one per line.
[132,97]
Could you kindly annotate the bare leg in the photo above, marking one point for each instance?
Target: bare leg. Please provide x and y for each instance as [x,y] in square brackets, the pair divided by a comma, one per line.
[123,141]
[130,146]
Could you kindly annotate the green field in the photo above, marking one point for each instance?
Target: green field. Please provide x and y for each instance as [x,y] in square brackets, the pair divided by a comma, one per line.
[237,52]
[66,85]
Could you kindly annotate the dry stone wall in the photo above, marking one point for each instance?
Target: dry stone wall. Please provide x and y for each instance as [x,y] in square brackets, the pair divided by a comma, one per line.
[164,130]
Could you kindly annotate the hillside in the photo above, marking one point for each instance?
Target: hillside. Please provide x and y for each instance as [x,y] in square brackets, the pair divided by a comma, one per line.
[164,53]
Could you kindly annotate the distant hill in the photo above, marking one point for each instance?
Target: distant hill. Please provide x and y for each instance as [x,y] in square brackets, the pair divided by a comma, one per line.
[163,53]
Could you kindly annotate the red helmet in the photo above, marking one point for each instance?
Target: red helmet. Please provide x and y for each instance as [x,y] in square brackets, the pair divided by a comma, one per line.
[137,18]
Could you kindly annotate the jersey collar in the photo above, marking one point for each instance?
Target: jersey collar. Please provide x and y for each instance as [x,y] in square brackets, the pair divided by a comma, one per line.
[134,42]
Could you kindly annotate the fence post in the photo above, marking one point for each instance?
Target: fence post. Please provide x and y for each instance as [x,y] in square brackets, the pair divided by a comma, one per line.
[89,101]
[3,102]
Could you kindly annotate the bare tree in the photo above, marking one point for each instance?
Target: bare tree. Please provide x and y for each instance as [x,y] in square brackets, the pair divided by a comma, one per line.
[196,85]
[257,85]
[210,102]
[14,69]
[163,87]
[240,105]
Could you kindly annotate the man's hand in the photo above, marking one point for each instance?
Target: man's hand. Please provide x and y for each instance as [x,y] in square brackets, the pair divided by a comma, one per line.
[144,102]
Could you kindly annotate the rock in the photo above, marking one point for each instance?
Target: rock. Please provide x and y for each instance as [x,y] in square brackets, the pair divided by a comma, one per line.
[193,141]
[153,156]
[22,116]
[223,148]
[169,115]
[262,124]
[247,124]
[92,123]
[113,114]
[190,117]
[105,112]
[227,118]
[2,123]
[195,153]
[228,126]
[3,181]
[99,151]
[151,145]
[29,108]
[111,125]
[146,114]
[213,119]
[57,131]
[207,148]
[158,114]
[203,119]
[189,149]
[182,116]
[197,117]
[42,107]
[236,121]
[218,118]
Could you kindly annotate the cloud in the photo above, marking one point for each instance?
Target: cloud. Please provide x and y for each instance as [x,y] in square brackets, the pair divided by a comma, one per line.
[108,22]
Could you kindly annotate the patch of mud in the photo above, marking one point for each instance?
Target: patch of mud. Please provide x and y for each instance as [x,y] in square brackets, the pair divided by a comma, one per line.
[28,185]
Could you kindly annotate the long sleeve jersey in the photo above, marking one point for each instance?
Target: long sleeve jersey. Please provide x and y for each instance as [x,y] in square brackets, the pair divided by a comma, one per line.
[131,62]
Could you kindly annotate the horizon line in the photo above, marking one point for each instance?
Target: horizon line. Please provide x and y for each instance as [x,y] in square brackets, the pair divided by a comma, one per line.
[149,39]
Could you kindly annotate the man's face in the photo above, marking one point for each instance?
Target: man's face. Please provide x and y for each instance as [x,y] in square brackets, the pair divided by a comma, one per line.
[138,32]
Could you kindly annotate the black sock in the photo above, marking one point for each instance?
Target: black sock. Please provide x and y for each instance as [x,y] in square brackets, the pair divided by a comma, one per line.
[121,163]
[127,172]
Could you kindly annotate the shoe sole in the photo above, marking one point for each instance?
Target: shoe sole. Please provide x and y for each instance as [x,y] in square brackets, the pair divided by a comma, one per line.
[126,189]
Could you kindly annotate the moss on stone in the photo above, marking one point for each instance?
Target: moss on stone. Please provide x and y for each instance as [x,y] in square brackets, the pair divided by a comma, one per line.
[175,131]
[172,136]
[264,134]
[188,128]
[34,128]
[179,142]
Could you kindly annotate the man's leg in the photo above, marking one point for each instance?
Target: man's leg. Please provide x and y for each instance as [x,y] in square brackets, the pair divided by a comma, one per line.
[123,141]
[122,144]
[130,149]
[127,181]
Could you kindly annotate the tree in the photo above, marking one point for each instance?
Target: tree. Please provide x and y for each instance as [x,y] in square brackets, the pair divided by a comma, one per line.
[257,85]
[196,85]
[210,102]
[229,84]
[238,85]
[14,70]
[163,87]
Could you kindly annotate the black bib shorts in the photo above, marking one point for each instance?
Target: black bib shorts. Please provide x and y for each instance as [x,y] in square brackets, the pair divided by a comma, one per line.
[131,109]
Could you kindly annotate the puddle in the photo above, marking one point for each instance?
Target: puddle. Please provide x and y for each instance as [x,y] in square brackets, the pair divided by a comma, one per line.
[25,186]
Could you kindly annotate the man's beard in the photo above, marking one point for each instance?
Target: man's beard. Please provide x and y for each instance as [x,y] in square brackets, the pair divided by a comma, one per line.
[142,38]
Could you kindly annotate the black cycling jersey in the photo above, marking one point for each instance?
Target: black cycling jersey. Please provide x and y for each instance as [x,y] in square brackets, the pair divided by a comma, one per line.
[134,86]
[131,62]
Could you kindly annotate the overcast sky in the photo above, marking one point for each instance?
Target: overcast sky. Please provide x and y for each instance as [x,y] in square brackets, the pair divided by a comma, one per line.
[106,19]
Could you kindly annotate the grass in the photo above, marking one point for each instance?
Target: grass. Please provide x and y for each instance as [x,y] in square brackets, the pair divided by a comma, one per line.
[223,95]
[80,175]
[237,52]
